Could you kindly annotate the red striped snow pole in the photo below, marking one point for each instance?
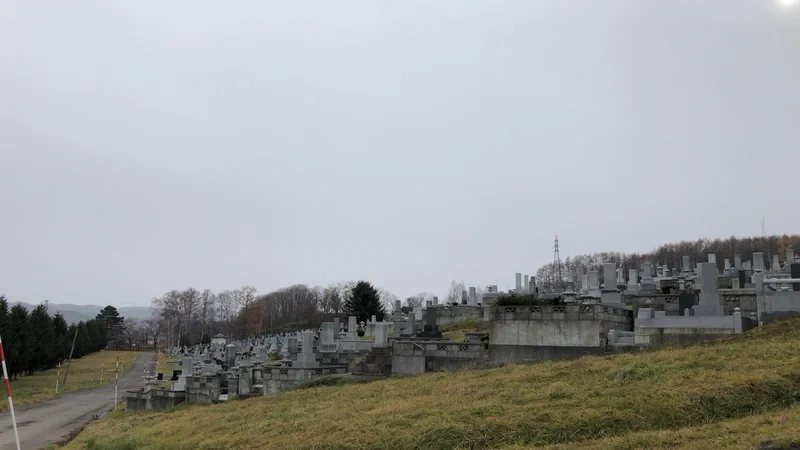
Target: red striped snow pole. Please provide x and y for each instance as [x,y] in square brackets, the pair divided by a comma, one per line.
[116,381]
[8,393]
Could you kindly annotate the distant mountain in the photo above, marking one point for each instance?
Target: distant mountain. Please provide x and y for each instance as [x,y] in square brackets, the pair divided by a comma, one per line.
[77,313]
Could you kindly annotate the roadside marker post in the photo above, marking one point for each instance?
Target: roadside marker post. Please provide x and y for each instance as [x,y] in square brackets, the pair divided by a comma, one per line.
[58,375]
[8,393]
[116,382]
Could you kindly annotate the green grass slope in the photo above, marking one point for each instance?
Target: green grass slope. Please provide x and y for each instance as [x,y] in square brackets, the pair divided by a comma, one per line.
[594,402]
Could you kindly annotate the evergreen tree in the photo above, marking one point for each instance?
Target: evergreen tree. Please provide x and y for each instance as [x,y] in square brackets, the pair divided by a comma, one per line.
[82,346]
[17,351]
[70,335]
[3,317]
[63,340]
[364,302]
[41,336]
[113,323]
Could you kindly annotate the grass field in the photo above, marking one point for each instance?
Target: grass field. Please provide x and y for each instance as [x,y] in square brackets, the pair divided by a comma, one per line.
[456,333]
[83,373]
[733,393]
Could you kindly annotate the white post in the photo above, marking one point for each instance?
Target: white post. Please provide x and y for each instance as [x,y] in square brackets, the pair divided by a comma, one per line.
[8,393]
[58,375]
[102,368]
[116,381]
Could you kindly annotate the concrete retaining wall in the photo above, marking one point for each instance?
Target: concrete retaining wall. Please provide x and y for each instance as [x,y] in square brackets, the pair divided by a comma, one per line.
[415,357]
[540,333]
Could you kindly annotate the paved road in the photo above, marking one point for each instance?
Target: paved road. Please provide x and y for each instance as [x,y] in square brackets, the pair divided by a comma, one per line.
[48,422]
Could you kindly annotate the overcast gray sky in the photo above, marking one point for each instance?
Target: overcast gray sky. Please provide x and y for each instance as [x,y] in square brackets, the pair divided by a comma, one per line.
[152,145]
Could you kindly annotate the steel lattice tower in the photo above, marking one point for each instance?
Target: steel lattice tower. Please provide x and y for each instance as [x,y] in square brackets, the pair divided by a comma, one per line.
[557,264]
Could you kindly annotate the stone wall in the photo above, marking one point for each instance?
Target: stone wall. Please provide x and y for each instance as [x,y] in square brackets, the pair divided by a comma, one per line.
[779,305]
[745,300]
[202,389]
[281,379]
[663,330]
[672,304]
[153,399]
[415,357]
[544,333]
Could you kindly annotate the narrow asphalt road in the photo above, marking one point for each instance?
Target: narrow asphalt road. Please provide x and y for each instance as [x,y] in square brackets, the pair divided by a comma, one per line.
[51,421]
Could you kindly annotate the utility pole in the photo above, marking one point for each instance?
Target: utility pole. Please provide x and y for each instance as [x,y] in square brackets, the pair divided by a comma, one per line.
[70,356]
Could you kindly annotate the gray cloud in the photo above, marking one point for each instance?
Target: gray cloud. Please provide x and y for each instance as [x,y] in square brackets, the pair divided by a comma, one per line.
[146,146]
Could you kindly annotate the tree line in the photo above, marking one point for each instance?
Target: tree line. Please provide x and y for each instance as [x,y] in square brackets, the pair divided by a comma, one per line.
[36,341]
[671,255]
[189,316]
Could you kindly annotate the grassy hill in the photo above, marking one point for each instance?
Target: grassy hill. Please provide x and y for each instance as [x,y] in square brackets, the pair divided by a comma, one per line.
[733,393]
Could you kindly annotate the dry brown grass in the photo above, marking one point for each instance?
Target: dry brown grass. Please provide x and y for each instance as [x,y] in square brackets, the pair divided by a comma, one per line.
[596,402]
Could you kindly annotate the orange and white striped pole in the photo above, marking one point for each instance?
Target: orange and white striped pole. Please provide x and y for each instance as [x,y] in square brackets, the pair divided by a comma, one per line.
[58,375]
[8,393]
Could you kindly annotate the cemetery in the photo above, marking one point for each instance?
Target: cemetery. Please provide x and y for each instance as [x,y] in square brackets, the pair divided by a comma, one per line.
[731,393]
[596,315]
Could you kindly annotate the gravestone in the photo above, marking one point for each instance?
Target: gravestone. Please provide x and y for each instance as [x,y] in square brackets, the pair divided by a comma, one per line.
[633,280]
[594,283]
[230,356]
[609,276]
[472,299]
[352,328]
[794,270]
[525,284]
[326,338]
[307,358]
[737,262]
[336,327]
[647,286]
[381,336]
[709,304]
[758,262]
[430,329]
[518,288]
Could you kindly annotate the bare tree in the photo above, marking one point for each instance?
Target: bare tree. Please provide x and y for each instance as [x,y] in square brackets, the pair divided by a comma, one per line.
[245,298]
[387,299]
[132,331]
[456,290]
[189,304]
[206,312]
[226,309]
[153,328]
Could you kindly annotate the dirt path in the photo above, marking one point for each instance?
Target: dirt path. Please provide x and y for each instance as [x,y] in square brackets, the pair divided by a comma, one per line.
[48,422]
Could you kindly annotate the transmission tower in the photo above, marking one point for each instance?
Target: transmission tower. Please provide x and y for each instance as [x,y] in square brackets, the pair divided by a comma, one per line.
[557,264]
[764,247]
